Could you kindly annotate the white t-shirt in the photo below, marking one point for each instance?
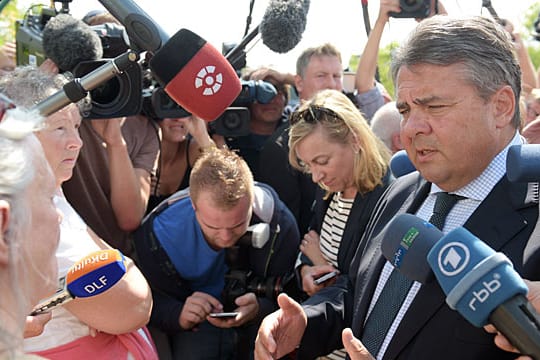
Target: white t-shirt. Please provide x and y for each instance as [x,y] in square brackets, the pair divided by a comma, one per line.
[75,243]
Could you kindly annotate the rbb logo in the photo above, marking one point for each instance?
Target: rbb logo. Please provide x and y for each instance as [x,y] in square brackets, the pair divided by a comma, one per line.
[486,289]
[212,83]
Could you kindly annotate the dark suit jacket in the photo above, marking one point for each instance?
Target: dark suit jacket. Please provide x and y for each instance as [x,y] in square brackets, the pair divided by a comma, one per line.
[430,329]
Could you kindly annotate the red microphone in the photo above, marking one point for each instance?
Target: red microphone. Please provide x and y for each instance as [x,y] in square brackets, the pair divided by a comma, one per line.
[195,75]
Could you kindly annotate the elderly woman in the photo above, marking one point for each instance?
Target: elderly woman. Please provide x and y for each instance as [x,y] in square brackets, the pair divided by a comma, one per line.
[108,325]
[29,229]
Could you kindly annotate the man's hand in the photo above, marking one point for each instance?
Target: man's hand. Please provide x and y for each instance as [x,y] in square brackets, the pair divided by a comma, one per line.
[354,347]
[281,331]
[247,309]
[196,309]
[110,130]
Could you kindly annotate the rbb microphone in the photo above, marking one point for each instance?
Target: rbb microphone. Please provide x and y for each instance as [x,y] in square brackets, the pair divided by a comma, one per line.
[283,23]
[407,239]
[68,41]
[90,276]
[400,164]
[195,75]
[484,288]
[523,163]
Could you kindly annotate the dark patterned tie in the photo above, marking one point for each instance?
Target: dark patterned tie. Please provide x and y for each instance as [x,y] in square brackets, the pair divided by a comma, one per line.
[397,286]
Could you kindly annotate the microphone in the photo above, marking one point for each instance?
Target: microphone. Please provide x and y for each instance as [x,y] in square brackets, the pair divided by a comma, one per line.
[406,242]
[198,77]
[67,41]
[255,90]
[143,32]
[484,288]
[523,163]
[283,23]
[92,275]
[400,164]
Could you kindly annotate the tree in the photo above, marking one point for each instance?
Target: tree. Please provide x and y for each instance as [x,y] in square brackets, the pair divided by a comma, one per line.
[10,13]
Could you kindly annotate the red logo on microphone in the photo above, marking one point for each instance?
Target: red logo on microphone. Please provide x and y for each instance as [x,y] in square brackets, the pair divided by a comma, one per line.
[211,82]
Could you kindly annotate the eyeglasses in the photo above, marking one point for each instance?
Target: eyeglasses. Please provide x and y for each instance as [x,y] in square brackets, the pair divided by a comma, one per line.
[5,105]
[313,113]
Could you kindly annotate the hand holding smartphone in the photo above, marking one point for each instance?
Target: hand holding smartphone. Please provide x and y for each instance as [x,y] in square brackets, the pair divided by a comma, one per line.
[325,277]
[224,315]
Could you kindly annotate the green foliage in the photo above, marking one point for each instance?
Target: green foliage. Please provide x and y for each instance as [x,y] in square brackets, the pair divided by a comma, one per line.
[10,13]
[385,57]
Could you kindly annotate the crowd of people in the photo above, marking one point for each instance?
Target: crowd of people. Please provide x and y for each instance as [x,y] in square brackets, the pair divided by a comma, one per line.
[224,238]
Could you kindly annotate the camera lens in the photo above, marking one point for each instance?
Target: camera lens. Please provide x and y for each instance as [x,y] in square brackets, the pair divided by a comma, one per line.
[232,121]
[411,5]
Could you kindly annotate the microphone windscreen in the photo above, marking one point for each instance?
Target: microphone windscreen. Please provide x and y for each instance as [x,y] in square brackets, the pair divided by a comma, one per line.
[400,164]
[95,273]
[407,240]
[195,75]
[283,23]
[474,277]
[523,163]
[68,41]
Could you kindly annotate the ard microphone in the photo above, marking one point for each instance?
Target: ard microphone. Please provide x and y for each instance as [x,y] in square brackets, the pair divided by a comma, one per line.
[195,75]
[283,24]
[92,275]
[400,164]
[406,242]
[67,41]
[523,163]
[484,288]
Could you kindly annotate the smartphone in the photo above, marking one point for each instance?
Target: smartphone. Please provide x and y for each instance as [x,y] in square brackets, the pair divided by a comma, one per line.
[224,314]
[325,277]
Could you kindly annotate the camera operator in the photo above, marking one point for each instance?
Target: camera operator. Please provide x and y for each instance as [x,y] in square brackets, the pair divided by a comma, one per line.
[264,119]
[181,248]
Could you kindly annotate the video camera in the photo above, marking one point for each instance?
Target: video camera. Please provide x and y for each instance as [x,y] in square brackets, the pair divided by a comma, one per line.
[241,280]
[418,9]
[232,123]
[118,97]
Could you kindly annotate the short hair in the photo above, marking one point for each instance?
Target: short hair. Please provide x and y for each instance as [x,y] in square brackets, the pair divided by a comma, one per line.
[305,57]
[28,86]
[370,163]
[479,43]
[225,174]
[386,122]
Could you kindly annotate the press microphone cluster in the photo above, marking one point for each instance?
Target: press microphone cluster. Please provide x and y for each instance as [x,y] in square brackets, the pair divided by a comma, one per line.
[480,284]
[92,275]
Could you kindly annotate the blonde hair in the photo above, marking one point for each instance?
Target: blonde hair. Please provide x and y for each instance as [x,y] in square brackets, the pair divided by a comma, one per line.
[370,162]
[225,174]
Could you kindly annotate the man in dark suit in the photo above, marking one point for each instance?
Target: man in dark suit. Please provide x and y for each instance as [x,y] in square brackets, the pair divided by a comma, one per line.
[457,86]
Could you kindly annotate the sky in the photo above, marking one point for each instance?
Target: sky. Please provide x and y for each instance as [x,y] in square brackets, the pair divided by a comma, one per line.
[337,21]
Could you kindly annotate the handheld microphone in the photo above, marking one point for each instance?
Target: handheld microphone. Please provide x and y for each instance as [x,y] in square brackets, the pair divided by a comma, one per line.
[144,33]
[92,275]
[400,164]
[484,288]
[406,242]
[198,78]
[283,23]
[77,88]
[523,163]
[67,41]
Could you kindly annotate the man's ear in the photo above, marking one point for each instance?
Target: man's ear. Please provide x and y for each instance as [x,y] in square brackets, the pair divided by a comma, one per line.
[504,105]
[4,222]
